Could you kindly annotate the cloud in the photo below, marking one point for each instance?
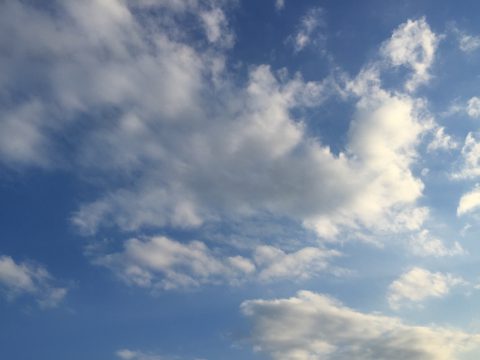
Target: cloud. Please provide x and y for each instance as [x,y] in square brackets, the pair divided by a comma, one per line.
[467,42]
[441,141]
[274,263]
[424,244]
[216,27]
[178,143]
[229,165]
[126,354]
[469,202]
[417,285]
[413,44]
[279,4]
[473,107]
[307,30]
[160,263]
[20,279]
[314,326]
[470,158]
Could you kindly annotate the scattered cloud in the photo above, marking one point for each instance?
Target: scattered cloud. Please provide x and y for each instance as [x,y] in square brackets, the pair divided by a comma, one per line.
[467,42]
[126,354]
[417,285]
[307,32]
[469,202]
[424,244]
[279,4]
[441,141]
[312,326]
[160,263]
[20,279]
[413,44]
[473,107]
[216,27]
[274,263]
[470,158]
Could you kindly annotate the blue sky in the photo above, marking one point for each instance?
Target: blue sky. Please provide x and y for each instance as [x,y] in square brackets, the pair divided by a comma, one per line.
[223,179]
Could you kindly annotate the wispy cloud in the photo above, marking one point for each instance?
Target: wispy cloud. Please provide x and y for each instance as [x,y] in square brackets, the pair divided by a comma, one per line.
[29,279]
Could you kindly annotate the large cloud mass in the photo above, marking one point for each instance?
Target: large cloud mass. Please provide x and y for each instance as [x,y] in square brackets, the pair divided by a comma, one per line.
[150,107]
[314,326]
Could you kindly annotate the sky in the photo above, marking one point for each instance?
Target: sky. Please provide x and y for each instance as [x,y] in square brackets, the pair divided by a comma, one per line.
[239,179]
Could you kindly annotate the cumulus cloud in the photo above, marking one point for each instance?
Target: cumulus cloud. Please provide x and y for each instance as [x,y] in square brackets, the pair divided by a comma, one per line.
[441,141]
[314,326]
[469,202]
[229,166]
[417,285]
[160,263]
[473,107]
[425,244]
[413,45]
[22,279]
[470,157]
[177,143]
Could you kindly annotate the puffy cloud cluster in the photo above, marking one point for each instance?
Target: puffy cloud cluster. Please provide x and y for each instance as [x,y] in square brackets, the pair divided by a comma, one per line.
[417,285]
[20,279]
[160,263]
[314,326]
[178,143]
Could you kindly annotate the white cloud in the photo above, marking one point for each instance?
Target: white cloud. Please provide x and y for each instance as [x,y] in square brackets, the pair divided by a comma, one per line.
[417,285]
[274,263]
[468,43]
[216,27]
[313,326]
[23,135]
[413,44]
[424,244]
[229,166]
[469,202]
[473,107]
[279,4]
[126,354]
[177,143]
[160,263]
[19,279]
[441,141]
[470,158]
[307,30]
